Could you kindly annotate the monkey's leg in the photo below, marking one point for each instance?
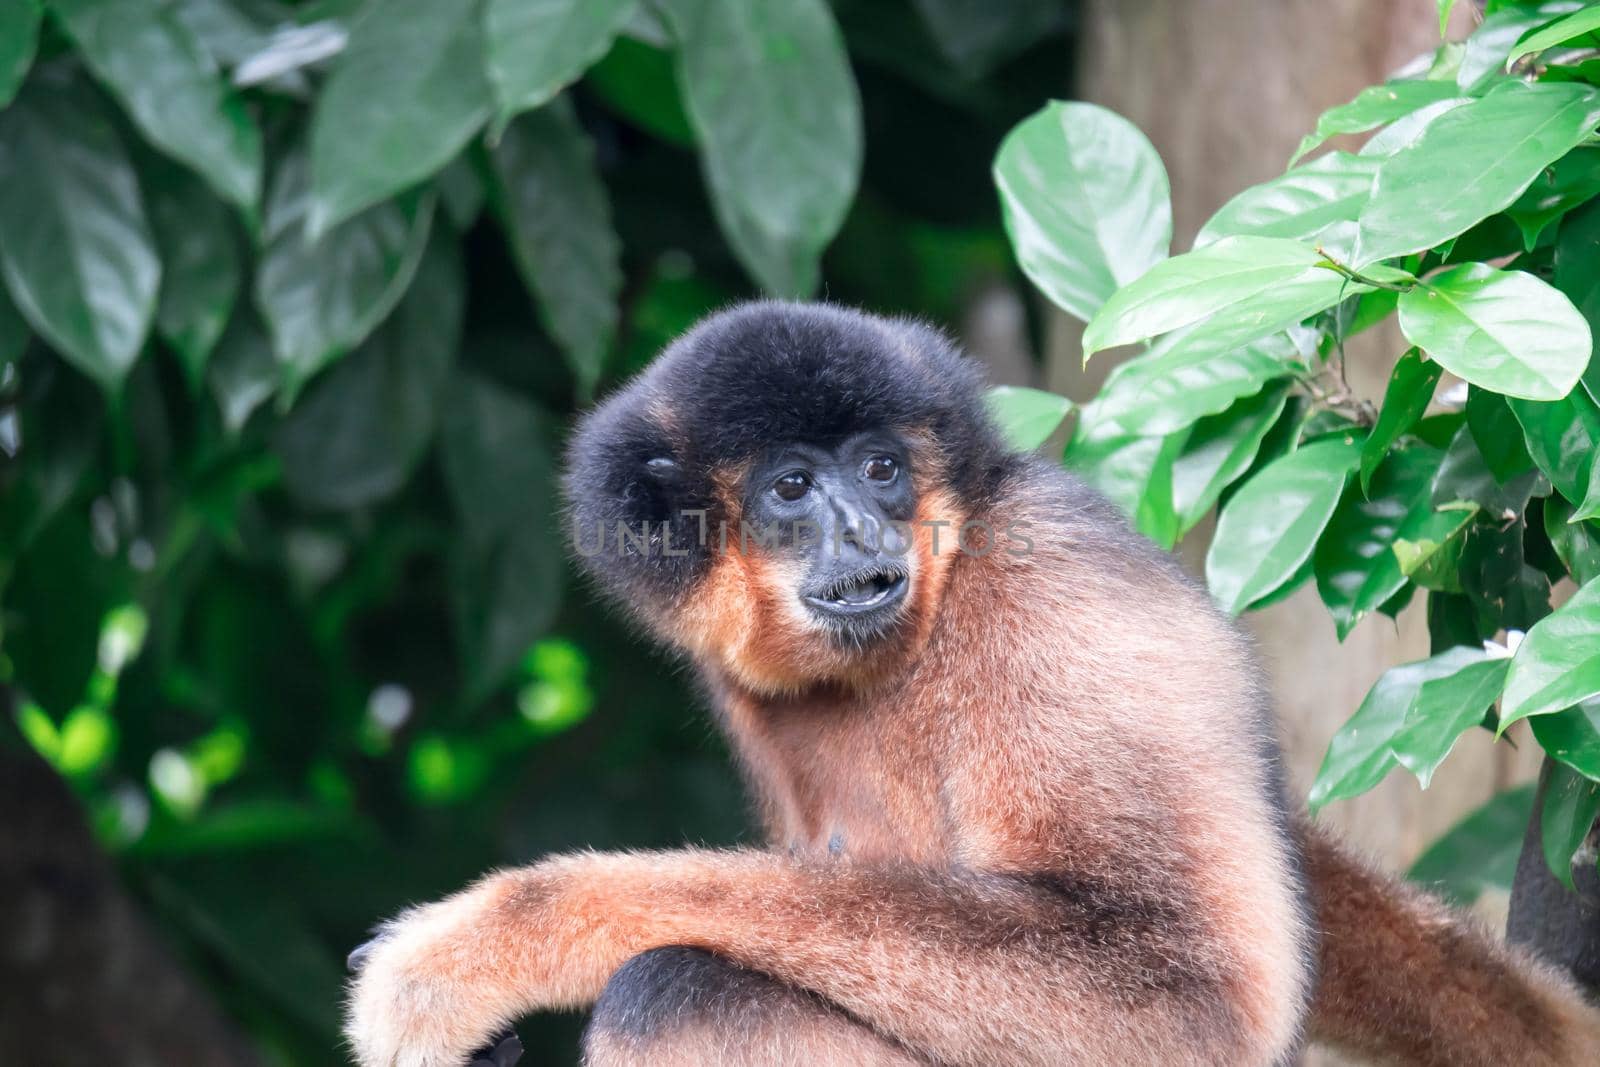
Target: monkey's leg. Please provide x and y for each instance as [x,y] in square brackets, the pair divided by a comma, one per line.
[1405,980]
[684,1007]
[962,968]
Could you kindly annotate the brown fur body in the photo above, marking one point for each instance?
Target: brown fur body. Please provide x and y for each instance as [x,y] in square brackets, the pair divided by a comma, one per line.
[1047,829]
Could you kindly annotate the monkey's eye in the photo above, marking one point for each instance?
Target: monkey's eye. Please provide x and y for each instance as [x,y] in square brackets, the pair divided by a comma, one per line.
[792,486]
[880,468]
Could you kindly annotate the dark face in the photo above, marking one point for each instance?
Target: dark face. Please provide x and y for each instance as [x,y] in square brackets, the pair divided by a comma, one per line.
[844,515]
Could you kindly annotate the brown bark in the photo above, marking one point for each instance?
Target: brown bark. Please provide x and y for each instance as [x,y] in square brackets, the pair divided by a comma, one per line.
[83,980]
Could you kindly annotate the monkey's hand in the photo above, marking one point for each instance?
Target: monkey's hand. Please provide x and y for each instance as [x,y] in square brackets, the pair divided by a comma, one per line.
[417,998]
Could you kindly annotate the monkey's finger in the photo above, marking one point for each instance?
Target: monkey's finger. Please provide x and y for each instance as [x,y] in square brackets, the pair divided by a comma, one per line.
[502,1051]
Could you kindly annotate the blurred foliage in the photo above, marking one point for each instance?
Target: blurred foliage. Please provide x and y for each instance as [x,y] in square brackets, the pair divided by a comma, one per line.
[1473,215]
[298,302]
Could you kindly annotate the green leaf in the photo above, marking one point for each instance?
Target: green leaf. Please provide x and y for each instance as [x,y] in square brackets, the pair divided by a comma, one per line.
[637,81]
[1464,480]
[1497,434]
[1219,449]
[75,246]
[1573,737]
[1086,203]
[772,99]
[1445,7]
[1573,180]
[1360,754]
[1374,106]
[1577,261]
[1581,23]
[506,578]
[404,97]
[19,39]
[1180,380]
[321,298]
[14,332]
[1027,417]
[1134,472]
[1444,709]
[171,88]
[242,372]
[559,222]
[538,47]
[1504,330]
[200,254]
[1356,567]
[1576,544]
[1485,57]
[1571,803]
[1469,163]
[1244,287]
[1404,400]
[1562,437]
[1404,131]
[1480,852]
[1506,591]
[1558,662]
[355,436]
[1269,528]
[1317,203]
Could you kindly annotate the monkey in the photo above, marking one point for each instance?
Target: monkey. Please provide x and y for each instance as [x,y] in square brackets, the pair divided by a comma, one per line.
[1017,773]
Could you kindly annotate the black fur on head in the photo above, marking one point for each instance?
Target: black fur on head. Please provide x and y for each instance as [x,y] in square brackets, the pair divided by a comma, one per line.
[744,380]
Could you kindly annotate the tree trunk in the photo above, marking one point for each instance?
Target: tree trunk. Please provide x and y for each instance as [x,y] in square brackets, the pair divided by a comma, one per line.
[83,981]
[1561,925]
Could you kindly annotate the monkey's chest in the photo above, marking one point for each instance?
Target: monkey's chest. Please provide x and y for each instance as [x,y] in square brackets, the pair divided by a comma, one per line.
[835,790]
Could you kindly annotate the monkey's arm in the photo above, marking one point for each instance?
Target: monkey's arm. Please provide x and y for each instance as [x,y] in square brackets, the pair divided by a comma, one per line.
[966,968]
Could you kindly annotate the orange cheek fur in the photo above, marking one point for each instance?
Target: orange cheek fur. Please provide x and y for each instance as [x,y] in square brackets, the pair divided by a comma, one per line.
[746,617]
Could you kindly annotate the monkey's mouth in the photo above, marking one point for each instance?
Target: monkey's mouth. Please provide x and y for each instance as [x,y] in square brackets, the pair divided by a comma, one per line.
[861,593]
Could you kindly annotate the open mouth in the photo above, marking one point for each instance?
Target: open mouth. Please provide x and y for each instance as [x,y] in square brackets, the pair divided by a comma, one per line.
[858,594]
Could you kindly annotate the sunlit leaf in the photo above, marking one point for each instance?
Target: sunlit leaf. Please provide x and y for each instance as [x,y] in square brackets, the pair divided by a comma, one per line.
[1374,106]
[1558,663]
[1317,203]
[1361,752]
[1471,162]
[1244,288]
[1219,450]
[1180,380]
[1444,709]
[1086,202]
[1269,528]
[1485,58]
[1582,23]
[1504,330]
[1576,544]
[1027,417]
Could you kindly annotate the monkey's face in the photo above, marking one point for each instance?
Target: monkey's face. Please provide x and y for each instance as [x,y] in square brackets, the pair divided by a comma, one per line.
[840,521]
[771,493]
